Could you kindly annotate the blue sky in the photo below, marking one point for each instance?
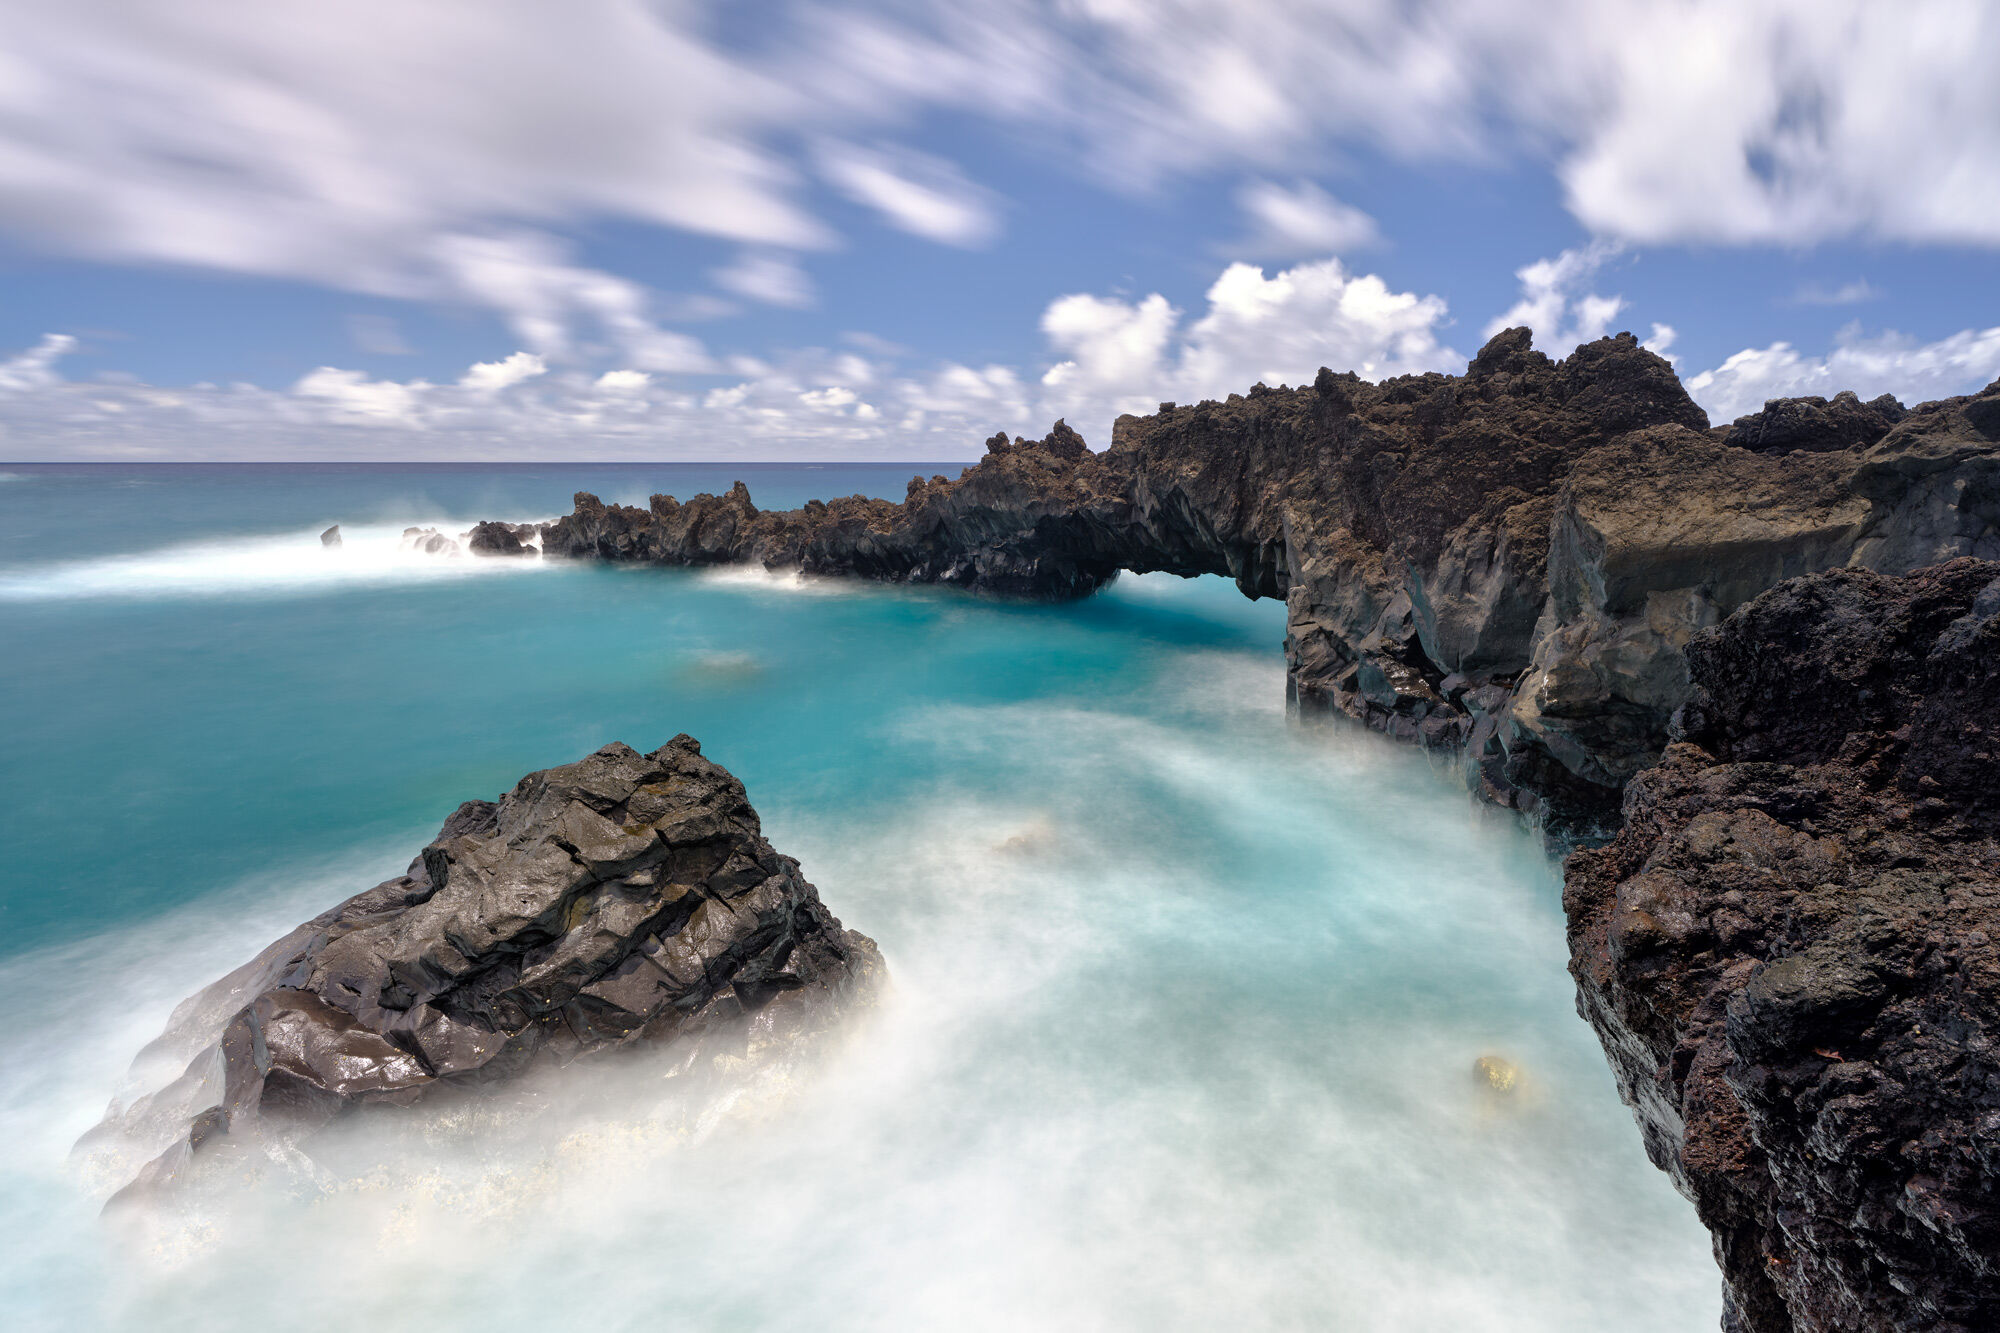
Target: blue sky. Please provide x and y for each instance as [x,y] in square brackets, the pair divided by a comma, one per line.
[502,229]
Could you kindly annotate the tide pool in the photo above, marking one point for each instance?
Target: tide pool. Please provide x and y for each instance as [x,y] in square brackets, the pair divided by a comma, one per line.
[1187,996]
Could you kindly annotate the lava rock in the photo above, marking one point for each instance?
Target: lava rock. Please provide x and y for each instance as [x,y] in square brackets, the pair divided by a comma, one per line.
[1563,526]
[1844,422]
[493,538]
[1791,952]
[624,898]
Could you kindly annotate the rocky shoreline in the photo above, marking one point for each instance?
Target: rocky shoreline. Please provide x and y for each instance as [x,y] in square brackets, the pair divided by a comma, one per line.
[1623,620]
[1505,563]
[625,900]
[1791,952]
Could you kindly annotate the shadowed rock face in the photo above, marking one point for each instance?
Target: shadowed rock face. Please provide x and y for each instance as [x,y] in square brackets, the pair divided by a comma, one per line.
[1507,562]
[1792,951]
[625,898]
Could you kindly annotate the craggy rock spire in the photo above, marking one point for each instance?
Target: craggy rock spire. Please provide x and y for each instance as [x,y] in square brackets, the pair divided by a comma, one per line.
[1506,562]
[624,898]
[1792,952]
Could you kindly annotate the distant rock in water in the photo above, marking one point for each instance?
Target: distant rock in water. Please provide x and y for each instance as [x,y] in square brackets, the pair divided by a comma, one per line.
[428,541]
[623,899]
[331,537]
[492,538]
[1792,952]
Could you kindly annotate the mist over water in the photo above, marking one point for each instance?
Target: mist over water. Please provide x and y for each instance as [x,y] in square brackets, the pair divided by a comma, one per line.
[1186,996]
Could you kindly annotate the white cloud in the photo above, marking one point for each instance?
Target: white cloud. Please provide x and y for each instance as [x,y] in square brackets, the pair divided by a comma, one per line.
[1787,121]
[1115,352]
[1773,121]
[923,195]
[1281,328]
[1847,293]
[1551,304]
[493,376]
[544,297]
[1888,362]
[237,136]
[773,278]
[35,368]
[1108,354]
[1301,221]
[352,398]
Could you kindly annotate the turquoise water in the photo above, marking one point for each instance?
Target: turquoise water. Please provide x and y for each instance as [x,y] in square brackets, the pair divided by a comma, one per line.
[1186,999]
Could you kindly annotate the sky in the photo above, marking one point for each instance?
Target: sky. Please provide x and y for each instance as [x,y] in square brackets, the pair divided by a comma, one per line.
[662,229]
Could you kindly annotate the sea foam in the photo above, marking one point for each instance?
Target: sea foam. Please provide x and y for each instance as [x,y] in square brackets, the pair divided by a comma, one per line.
[285,564]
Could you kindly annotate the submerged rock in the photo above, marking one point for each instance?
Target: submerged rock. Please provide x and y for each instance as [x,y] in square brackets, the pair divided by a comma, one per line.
[428,541]
[623,899]
[331,537]
[1792,951]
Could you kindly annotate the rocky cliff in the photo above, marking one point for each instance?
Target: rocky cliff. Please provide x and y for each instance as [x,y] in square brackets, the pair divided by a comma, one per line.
[1792,951]
[623,899]
[1506,562]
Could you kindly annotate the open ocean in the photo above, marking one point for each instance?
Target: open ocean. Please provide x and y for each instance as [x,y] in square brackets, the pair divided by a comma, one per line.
[1186,999]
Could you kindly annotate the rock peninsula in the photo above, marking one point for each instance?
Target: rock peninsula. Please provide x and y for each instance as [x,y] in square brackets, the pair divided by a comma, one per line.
[1505,563]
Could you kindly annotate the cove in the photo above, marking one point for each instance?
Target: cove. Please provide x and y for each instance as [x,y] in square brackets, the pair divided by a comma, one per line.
[1187,1000]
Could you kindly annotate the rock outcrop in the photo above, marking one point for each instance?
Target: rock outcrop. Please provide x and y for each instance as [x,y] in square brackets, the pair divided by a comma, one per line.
[1792,951]
[1507,562]
[623,899]
[494,538]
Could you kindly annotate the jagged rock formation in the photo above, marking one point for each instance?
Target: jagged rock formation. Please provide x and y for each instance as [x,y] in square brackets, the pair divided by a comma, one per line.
[1507,561]
[622,899]
[1786,424]
[494,538]
[1792,951]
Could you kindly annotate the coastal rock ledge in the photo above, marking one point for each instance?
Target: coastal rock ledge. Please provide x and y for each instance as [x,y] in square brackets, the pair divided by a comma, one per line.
[623,899]
[1502,564]
[1792,951]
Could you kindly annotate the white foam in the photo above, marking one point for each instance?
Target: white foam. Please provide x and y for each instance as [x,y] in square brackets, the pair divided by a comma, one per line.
[280,565]
[756,578]
[1182,1035]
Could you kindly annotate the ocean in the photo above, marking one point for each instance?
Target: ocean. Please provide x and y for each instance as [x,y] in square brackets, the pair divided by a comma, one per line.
[1187,993]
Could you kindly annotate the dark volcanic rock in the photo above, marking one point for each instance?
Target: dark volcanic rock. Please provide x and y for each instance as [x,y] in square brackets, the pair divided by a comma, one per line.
[492,538]
[1792,951]
[1786,424]
[623,899]
[1545,535]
